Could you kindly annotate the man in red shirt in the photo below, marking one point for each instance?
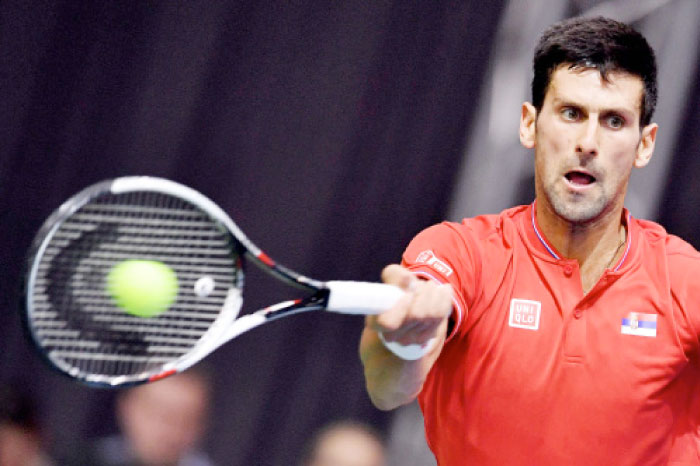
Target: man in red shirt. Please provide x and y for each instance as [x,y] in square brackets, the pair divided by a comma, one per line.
[564,332]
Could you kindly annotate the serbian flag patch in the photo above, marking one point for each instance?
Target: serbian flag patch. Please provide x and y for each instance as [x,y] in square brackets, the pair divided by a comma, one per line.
[640,324]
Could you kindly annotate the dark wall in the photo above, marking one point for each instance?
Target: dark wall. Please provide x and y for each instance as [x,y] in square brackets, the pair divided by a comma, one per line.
[681,201]
[330,131]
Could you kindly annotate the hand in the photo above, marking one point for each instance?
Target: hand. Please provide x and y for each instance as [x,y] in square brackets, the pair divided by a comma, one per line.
[418,315]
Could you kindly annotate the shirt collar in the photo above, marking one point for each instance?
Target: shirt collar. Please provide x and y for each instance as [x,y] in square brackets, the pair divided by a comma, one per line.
[538,239]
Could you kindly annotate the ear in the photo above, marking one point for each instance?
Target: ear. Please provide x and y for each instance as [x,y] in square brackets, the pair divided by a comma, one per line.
[645,148]
[528,120]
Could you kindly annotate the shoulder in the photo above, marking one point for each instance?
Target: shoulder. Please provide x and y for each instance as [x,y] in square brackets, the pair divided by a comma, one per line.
[478,228]
[673,247]
[464,247]
[672,259]
[468,239]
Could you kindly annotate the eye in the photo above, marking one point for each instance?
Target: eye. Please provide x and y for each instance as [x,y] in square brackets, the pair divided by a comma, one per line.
[614,121]
[570,114]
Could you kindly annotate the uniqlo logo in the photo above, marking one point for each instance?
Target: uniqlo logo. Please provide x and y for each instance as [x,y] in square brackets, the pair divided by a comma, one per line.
[428,257]
[524,314]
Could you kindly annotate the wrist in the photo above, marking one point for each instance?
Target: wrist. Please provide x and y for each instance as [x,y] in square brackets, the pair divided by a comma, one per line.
[409,352]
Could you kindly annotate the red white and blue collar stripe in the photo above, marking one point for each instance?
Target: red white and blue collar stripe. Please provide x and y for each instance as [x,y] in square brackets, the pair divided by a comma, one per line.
[539,236]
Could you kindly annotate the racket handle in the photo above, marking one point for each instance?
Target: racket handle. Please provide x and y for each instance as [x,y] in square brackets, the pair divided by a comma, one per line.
[364,298]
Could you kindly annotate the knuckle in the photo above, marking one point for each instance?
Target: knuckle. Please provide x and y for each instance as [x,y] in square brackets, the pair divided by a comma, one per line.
[386,272]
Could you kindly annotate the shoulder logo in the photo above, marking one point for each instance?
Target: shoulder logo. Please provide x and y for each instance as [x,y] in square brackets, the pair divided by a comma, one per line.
[637,323]
[428,258]
[524,314]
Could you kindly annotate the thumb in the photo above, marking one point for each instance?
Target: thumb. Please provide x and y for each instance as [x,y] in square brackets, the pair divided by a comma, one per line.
[397,275]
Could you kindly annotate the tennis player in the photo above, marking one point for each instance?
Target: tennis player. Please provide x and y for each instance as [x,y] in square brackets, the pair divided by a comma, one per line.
[563,332]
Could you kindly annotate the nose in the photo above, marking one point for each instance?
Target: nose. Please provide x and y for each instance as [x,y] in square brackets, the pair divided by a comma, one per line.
[587,143]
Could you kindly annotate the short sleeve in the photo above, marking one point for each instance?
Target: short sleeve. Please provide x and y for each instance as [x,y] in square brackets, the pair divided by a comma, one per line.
[446,253]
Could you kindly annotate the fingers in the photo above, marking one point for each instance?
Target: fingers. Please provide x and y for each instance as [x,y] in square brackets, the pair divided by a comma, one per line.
[416,317]
[399,276]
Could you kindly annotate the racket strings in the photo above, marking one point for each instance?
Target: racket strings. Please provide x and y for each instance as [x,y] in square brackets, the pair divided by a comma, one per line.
[76,319]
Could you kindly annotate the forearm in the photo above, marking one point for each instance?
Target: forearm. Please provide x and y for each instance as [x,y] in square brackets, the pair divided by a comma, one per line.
[392,381]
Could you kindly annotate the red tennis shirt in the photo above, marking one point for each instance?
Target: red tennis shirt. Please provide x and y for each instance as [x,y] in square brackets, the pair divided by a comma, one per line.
[534,372]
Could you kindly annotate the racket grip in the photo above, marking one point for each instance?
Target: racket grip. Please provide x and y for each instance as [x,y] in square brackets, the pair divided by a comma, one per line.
[363,298]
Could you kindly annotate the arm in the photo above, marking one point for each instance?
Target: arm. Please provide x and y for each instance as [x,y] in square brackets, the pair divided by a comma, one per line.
[419,316]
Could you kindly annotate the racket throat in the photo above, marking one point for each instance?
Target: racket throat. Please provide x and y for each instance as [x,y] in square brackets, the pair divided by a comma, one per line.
[318,300]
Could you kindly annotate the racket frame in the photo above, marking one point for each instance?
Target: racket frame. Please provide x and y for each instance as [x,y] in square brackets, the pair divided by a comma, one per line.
[228,324]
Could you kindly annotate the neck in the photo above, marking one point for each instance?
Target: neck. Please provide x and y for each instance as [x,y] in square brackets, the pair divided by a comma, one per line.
[596,245]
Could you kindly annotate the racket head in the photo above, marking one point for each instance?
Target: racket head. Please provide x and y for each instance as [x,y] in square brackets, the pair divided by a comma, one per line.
[74,321]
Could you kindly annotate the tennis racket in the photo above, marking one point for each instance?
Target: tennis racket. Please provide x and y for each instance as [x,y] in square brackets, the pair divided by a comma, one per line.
[80,329]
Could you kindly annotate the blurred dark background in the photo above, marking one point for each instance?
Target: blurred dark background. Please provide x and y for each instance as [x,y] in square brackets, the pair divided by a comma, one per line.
[332,132]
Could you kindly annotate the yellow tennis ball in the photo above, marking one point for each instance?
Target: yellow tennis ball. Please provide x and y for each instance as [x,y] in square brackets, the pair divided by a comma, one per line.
[144,288]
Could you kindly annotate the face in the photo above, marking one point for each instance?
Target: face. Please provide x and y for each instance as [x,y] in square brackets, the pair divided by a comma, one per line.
[18,447]
[586,138]
[348,447]
[165,419]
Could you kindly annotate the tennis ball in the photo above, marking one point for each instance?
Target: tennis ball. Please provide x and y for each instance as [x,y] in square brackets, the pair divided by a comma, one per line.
[143,288]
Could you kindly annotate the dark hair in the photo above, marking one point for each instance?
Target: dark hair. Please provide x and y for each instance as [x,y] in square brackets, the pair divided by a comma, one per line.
[600,43]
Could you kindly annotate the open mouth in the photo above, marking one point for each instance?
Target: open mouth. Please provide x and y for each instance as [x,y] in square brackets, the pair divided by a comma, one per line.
[580,178]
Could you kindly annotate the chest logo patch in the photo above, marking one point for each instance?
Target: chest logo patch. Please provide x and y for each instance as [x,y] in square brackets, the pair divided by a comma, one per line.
[430,259]
[524,314]
[637,323]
